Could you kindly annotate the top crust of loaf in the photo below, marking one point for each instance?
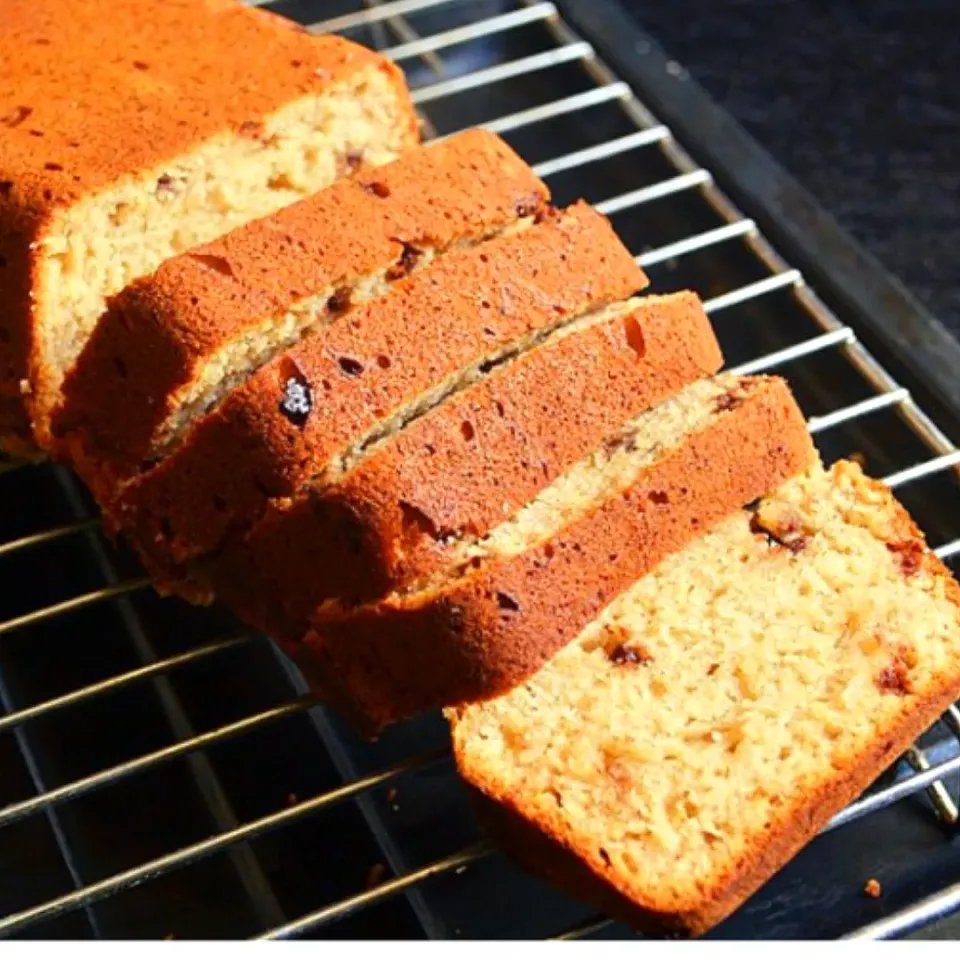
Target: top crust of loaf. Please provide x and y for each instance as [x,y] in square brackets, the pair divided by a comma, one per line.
[856,655]
[416,499]
[481,628]
[383,357]
[159,331]
[96,95]
[95,92]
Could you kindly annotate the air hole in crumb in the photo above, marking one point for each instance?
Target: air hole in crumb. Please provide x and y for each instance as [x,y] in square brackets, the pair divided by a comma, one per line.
[56,167]
[506,602]
[48,195]
[605,857]
[16,116]
[35,133]
[378,188]
[635,336]
[659,497]
[213,262]
[499,408]
[352,159]
[351,367]
[165,185]
[466,428]
[712,669]
[548,551]
[140,65]
[383,362]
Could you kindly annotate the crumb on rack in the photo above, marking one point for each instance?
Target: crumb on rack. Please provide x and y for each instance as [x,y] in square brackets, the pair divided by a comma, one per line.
[872,888]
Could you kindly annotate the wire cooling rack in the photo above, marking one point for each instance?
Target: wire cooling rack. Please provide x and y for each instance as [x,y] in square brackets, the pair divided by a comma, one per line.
[167,774]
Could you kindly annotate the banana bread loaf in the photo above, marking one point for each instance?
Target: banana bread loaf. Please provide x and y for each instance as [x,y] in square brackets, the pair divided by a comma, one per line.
[346,384]
[172,344]
[722,709]
[406,504]
[130,131]
[514,598]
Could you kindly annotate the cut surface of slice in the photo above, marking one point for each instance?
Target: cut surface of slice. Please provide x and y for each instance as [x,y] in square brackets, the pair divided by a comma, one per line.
[723,708]
[347,384]
[525,590]
[414,500]
[173,344]
[132,131]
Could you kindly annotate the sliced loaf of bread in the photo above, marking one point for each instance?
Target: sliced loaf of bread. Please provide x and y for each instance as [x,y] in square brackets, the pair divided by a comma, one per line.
[406,505]
[132,131]
[511,600]
[173,344]
[705,726]
[346,384]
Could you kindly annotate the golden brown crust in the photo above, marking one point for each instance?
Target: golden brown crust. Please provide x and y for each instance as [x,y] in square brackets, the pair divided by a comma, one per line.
[454,313]
[109,89]
[545,845]
[158,333]
[463,467]
[481,634]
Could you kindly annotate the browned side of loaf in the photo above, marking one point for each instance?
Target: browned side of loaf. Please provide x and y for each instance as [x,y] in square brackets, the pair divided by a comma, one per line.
[462,468]
[545,846]
[159,332]
[480,635]
[382,355]
[154,81]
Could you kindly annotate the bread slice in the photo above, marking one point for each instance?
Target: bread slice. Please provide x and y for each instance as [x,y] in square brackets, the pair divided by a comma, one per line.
[134,130]
[173,344]
[719,712]
[514,598]
[406,505]
[346,384]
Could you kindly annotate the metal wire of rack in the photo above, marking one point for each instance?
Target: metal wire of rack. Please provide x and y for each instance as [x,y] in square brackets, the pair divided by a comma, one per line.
[429,38]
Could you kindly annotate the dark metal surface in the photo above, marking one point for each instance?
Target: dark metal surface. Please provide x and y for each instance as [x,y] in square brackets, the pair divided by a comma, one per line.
[164,774]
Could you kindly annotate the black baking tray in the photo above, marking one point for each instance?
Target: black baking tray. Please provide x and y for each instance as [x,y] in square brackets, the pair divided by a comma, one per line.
[422,816]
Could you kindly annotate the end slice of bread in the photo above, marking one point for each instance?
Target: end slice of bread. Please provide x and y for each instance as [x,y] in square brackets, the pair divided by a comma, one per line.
[405,506]
[362,378]
[173,344]
[516,597]
[705,726]
[133,131]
